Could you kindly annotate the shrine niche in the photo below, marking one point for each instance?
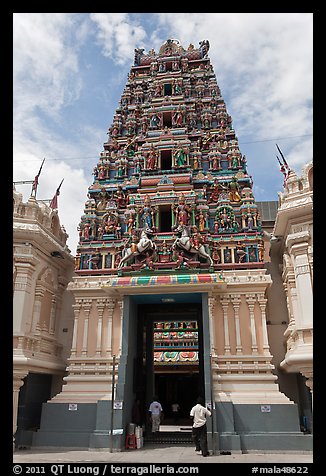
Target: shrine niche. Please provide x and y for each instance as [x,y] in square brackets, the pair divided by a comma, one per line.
[172,158]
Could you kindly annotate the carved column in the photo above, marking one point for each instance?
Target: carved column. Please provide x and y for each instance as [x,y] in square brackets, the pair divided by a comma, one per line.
[52,316]
[76,307]
[100,309]
[297,244]
[17,383]
[39,293]
[236,301]
[262,301]
[225,304]
[292,303]
[251,299]
[110,304]
[87,303]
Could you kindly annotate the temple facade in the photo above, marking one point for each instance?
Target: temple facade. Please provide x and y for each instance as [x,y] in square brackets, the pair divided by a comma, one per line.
[42,313]
[173,285]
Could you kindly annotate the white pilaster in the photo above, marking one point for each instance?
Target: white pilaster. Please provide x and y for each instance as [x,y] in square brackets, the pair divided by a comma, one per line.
[86,307]
[99,340]
[225,304]
[110,304]
[236,301]
[262,303]
[76,307]
[251,299]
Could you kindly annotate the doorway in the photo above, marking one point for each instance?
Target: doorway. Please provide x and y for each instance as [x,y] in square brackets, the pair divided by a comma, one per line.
[166,159]
[169,360]
[181,388]
[35,391]
[165,218]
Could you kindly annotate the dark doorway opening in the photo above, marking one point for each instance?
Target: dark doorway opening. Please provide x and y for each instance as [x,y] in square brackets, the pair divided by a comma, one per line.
[166,159]
[168,380]
[168,89]
[181,388]
[165,218]
[167,119]
[35,391]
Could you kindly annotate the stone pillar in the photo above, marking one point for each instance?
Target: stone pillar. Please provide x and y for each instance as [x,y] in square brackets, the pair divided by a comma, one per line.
[87,303]
[225,304]
[25,265]
[236,301]
[39,293]
[251,299]
[110,304]
[297,244]
[76,307]
[100,304]
[17,383]
[52,316]
[262,303]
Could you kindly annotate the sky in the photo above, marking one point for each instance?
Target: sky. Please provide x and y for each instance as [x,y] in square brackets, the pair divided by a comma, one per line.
[70,69]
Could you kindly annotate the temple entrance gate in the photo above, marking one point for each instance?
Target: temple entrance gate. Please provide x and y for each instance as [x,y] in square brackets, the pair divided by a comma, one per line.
[168,355]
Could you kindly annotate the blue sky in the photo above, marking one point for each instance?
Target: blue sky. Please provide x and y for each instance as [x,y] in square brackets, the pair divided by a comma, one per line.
[70,69]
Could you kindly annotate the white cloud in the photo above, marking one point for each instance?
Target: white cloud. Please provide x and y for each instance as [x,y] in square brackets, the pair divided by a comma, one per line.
[43,63]
[118,35]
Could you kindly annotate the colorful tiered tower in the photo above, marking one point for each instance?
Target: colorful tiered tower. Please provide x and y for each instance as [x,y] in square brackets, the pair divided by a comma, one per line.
[171,234]
[171,189]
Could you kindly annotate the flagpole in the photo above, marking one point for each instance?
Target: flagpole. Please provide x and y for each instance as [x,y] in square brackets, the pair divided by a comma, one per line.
[35,181]
[54,201]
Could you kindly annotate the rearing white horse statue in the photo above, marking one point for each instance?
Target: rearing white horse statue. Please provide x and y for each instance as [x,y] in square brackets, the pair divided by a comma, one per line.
[145,244]
[183,243]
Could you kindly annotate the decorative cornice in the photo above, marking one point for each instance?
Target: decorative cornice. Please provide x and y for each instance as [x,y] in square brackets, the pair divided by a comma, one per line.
[163,280]
[301,237]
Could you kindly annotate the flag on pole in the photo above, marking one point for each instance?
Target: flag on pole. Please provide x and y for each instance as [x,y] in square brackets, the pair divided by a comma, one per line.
[35,181]
[54,201]
[284,161]
[284,168]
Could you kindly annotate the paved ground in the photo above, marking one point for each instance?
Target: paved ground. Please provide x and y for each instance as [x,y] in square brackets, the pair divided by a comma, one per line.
[163,454]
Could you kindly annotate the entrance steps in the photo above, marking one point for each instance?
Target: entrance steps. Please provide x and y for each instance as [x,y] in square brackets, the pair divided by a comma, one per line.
[170,435]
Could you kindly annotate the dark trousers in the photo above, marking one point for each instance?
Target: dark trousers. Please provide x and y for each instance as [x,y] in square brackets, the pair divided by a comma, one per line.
[199,436]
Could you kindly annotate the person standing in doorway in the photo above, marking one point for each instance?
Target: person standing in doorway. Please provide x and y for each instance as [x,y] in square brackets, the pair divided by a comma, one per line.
[155,410]
[199,429]
[175,411]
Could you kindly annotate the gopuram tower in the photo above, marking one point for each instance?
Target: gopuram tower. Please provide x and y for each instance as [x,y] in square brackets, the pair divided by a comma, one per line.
[170,280]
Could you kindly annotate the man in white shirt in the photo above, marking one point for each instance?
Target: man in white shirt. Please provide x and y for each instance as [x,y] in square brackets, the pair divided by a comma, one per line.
[199,428]
[155,410]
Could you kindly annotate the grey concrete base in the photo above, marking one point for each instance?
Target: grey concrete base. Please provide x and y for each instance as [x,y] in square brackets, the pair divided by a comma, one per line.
[276,442]
[227,441]
[24,438]
[247,428]
[87,427]
[238,428]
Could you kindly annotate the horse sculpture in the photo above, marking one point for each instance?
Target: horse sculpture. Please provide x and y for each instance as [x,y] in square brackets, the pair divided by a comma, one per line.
[183,243]
[144,245]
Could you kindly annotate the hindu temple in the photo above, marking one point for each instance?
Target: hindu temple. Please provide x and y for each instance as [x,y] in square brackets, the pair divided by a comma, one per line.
[171,285]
